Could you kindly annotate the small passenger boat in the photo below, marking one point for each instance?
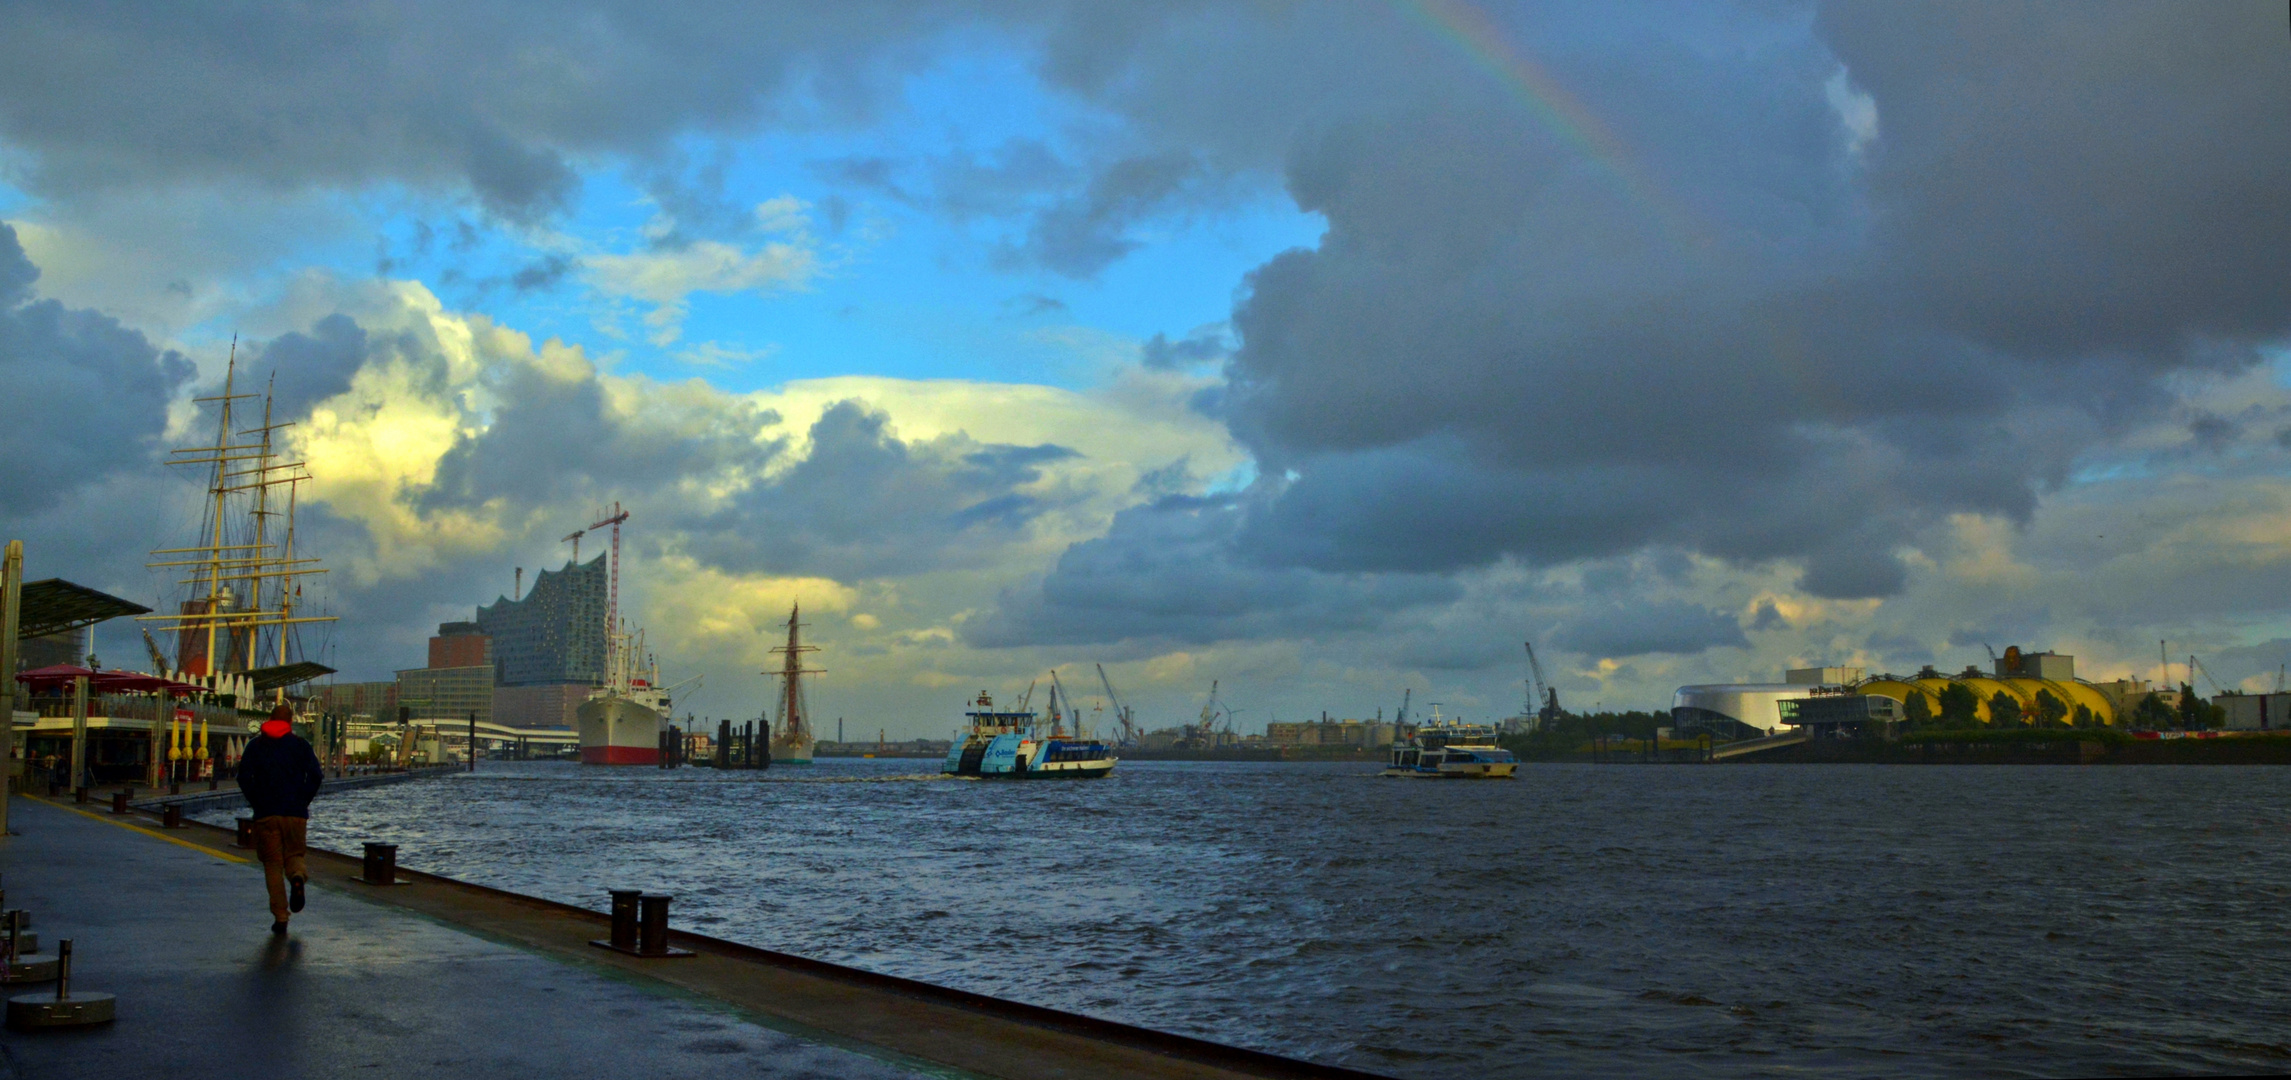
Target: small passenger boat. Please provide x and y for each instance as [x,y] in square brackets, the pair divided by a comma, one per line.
[1011,744]
[1446,750]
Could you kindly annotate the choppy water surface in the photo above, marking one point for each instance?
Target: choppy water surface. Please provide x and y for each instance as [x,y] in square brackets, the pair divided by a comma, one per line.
[1682,921]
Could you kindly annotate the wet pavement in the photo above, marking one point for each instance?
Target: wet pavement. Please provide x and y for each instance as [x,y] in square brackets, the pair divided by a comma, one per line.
[181,935]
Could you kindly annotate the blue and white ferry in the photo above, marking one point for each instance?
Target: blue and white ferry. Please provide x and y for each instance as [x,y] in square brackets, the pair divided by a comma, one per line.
[1012,744]
[1448,750]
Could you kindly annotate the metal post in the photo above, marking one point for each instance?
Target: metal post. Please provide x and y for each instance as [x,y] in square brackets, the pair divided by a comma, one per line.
[159,712]
[11,613]
[473,740]
[79,730]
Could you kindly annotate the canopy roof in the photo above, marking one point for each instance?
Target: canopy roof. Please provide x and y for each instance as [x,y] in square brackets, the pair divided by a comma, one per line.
[54,605]
[271,678]
[134,682]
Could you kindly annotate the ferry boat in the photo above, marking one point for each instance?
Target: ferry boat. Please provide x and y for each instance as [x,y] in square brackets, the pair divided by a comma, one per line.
[1447,750]
[622,722]
[1011,744]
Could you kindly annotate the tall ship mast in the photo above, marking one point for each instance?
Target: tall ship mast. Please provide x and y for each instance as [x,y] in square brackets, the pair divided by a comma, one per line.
[237,622]
[792,738]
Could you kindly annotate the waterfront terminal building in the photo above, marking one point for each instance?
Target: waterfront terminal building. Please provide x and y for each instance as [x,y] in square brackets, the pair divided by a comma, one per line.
[2035,685]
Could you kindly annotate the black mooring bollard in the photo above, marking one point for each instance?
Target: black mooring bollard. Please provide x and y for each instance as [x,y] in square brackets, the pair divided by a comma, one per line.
[174,787]
[624,919]
[640,926]
[119,802]
[652,925]
[79,795]
[246,832]
[171,816]
[381,864]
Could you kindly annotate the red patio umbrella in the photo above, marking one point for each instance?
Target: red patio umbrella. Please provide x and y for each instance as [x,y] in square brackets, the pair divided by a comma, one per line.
[52,675]
[130,682]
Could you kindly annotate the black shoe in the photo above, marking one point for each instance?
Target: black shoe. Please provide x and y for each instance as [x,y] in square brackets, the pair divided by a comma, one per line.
[279,928]
[294,895]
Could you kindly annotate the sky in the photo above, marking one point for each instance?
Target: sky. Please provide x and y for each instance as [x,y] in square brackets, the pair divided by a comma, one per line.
[1327,351]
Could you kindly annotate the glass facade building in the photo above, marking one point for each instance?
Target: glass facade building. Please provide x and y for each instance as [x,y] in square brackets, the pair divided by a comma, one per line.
[555,633]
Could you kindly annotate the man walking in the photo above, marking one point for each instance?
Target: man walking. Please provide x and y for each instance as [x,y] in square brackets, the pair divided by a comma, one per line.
[278,774]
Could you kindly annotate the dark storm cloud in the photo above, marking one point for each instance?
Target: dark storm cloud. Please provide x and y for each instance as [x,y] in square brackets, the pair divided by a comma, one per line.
[1169,571]
[1734,334]
[553,439]
[88,396]
[307,368]
[1636,629]
[500,100]
[864,503]
[2064,179]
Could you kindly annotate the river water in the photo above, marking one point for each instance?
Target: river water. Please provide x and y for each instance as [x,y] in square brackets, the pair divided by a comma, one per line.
[1719,921]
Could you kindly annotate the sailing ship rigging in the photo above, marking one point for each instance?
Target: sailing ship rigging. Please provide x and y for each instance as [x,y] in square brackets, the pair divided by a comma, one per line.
[242,606]
[791,740]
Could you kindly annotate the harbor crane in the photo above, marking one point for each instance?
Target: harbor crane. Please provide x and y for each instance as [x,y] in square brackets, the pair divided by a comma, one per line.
[1057,691]
[2194,667]
[1122,714]
[1400,719]
[1546,705]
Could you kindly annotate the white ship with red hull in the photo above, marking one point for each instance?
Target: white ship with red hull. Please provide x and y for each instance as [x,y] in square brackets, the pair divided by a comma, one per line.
[617,730]
[621,723]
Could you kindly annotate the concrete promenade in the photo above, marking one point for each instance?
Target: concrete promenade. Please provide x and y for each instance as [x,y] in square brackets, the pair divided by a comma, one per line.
[445,979]
[359,989]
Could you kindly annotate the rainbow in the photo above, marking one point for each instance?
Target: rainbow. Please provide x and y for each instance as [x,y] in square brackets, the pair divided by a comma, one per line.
[1487,47]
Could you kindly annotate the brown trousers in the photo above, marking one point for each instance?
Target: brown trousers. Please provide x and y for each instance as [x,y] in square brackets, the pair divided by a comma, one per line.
[279,843]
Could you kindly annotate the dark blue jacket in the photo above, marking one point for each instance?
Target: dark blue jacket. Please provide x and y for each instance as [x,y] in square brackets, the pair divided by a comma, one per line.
[278,776]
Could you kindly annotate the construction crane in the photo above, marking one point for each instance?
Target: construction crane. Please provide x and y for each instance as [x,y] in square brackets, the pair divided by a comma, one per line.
[1400,719]
[1547,696]
[1121,711]
[612,593]
[574,538]
[158,658]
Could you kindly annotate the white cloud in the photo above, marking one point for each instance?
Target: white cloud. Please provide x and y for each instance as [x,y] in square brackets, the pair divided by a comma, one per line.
[668,277]
[1854,108]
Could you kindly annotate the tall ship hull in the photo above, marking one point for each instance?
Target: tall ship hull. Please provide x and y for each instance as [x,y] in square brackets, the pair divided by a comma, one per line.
[791,749]
[618,731]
